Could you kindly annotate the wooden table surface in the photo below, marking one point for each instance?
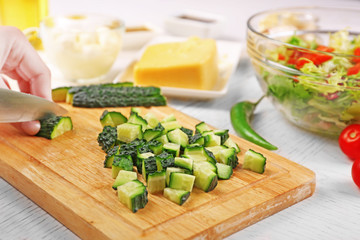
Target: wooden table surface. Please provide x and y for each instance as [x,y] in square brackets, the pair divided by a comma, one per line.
[333,212]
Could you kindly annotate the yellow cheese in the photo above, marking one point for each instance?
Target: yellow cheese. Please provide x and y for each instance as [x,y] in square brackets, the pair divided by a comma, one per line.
[189,64]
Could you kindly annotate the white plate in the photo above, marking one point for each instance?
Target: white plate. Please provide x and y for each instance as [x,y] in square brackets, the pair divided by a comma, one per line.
[229,56]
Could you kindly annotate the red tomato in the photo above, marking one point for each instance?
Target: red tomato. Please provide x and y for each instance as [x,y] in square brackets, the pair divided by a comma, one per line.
[349,141]
[355,172]
[354,70]
[325,48]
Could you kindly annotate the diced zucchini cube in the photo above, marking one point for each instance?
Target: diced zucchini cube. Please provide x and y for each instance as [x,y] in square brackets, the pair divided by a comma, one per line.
[170,170]
[224,171]
[124,177]
[186,163]
[181,181]
[156,181]
[254,161]
[128,132]
[172,148]
[179,137]
[133,195]
[177,196]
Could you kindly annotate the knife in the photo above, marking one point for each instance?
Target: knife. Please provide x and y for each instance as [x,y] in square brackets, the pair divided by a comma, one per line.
[21,107]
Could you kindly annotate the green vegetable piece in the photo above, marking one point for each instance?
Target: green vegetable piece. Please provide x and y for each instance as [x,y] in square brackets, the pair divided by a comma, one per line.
[151,119]
[172,148]
[254,161]
[107,138]
[230,143]
[224,171]
[177,196]
[135,118]
[179,137]
[153,133]
[94,96]
[149,165]
[202,127]
[110,156]
[240,115]
[59,94]
[156,181]
[188,132]
[223,134]
[112,118]
[133,195]
[181,181]
[166,160]
[186,163]
[170,170]
[53,126]
[155,146]
[123,177]
[229,157]
[168,118]
[121,162]
[128,132]
[205,178]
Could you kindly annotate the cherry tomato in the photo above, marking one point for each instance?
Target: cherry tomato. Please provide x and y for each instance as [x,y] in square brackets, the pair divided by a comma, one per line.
[355,172]
[349,141]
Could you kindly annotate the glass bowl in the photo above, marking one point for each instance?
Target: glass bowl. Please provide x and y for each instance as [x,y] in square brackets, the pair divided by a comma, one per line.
[314,86]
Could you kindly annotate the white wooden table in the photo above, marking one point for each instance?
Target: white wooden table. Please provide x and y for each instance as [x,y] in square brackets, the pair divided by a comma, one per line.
[333,212]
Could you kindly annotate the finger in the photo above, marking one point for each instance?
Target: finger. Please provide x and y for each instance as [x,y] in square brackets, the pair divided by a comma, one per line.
[4,83]
[30,128]
[26,62]
[24,86]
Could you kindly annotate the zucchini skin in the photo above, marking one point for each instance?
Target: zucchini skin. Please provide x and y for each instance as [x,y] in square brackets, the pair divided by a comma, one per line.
[95,96]
[48,125]
[107,138]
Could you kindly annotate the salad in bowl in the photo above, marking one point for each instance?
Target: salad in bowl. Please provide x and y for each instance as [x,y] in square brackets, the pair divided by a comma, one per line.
[312,76]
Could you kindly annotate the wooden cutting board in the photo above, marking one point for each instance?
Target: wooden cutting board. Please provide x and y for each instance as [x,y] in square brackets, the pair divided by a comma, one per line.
[65,176]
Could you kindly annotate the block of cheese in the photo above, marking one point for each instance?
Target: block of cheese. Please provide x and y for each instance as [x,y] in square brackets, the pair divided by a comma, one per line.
[188,64]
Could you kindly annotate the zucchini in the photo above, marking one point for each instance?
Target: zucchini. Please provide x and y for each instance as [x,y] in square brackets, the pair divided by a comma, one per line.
[149,165]
[133,195]
[168,126]
[151,119]
[168,118]
[123,177]
[223,134]
[170,170]
[155,146]
[53,126]
[188,132]
[107,138]
[198,139]
[172,148]
[181,181]
[179,137]
[229,157]
[202,127]
[199,153]
[112,118]
[186,163]
[121,162]
[163,139]
[135,118]
[224,171]
[140,158]
[166,160]
[216,151]
[128,132]
[59,94]
[94,96]
[109,158]
[177,196]
[211,139]
[153,133]
[156,181]
[254,161]
[205,178]
[230,143]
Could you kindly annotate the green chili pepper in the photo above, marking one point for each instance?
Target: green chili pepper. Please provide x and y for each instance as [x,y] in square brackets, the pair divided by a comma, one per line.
[240,116]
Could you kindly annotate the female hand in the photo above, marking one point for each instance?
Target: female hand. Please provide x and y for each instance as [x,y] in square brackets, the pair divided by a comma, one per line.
[20,61]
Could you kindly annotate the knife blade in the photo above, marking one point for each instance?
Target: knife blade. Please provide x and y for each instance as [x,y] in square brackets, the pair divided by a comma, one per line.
[21,107]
